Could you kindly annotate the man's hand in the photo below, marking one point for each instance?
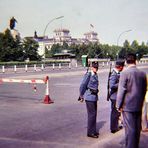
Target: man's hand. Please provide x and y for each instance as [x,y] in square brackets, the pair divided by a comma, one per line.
[119,110]
[81,99]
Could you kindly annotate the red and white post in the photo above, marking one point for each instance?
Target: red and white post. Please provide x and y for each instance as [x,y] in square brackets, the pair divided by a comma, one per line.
[47,99]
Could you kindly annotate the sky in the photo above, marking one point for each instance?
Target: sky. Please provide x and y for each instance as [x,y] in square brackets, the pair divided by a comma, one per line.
[111,18]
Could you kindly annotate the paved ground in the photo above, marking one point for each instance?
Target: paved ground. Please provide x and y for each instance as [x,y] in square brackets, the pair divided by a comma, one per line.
[28,123]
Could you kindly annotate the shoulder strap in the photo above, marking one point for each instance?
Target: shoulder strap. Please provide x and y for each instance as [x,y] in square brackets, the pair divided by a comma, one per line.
[89,75]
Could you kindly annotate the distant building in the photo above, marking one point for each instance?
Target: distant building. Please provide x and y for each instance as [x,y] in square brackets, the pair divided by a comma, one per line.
[63,35]
[144,58]
[91,36]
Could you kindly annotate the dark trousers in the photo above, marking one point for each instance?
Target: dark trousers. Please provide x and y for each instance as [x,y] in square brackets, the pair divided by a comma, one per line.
[132,123]
[92,115]
[114,116]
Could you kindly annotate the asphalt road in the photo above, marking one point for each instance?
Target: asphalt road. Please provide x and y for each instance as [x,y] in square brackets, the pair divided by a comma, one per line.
[26,122]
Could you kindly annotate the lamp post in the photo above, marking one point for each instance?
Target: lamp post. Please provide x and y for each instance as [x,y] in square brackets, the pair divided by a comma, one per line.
[51,22]
[46,29]
[119,38]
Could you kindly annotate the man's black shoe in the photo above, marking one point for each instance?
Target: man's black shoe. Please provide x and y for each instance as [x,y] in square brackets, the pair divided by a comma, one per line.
[92,135]
[120,127]
[97,133]
[114,131]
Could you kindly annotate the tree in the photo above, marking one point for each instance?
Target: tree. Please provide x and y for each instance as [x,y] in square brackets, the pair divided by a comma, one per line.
[56,48]
[30,47]
[101,50]
[124,50]
[94,51]
[65,45]
[10,48]
[134,46]
[142,49]
[104,51]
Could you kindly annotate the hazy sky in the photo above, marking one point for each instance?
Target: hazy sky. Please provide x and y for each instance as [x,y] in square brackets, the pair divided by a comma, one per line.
[109,17]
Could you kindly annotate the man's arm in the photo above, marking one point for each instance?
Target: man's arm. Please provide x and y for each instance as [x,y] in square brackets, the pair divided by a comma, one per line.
[122,88]
[83,86]
[108,89]
[113,82]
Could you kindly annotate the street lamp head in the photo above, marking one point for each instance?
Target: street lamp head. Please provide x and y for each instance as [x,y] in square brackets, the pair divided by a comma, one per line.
[59,17]
[129,30]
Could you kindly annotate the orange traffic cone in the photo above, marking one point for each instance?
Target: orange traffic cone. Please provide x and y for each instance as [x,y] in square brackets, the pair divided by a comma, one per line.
[47,99]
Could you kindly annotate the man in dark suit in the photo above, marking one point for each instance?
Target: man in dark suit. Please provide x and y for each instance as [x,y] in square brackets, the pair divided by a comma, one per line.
[130,98]
[89,92]
[113,85]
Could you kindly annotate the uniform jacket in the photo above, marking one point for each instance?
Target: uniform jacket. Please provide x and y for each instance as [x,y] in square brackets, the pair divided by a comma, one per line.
[113,84]
[90,81]
[131,90]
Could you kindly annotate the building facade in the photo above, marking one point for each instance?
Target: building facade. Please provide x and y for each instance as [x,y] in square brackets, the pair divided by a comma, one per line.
[63,35]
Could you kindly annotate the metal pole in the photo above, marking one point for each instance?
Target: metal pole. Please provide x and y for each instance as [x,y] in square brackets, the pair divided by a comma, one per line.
[51,22]
[119,38]
[46,29]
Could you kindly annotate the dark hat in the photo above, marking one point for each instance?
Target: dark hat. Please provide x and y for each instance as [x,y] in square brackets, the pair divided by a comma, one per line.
[120,63]
[95,64]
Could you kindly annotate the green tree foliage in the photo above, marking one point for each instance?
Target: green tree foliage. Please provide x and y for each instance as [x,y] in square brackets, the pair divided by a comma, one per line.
[102,50]
[12,49]
[16,50]
[134,46]
[65,45]
[125,49]
[113,52]
[139,50]
[56,48]
[30,47]
[142,49]
[94,51]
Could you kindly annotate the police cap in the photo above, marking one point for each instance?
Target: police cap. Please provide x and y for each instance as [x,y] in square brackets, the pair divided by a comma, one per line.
[95,64]
[120,63]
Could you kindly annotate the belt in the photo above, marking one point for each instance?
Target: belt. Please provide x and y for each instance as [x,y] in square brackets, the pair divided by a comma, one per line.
[93,92]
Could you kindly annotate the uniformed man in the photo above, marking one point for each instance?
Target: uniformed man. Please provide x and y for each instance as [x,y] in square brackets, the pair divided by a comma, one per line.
[89,92]
[113,85]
